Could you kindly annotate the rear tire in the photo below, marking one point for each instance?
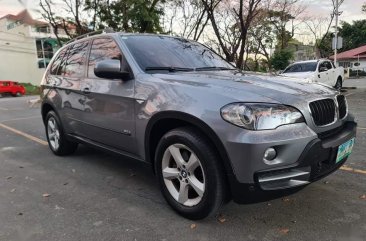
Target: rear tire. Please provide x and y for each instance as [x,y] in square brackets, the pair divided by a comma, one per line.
[338,85]
[189,172]
[56,137]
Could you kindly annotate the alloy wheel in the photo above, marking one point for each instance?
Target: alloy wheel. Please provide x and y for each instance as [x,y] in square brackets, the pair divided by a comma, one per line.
[183,175]
[53,133]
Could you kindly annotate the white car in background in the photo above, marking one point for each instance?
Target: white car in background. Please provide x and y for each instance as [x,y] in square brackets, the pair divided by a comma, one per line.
[316,71]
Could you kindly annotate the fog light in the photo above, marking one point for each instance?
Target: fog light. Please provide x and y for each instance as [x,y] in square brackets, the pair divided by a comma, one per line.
[270,154]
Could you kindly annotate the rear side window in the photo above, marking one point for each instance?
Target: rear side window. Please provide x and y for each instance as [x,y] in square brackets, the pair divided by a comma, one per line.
[102,48]
[74,63]
[55,68]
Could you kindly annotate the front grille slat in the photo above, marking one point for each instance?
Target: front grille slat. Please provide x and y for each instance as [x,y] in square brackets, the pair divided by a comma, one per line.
[323,111]
[342,106]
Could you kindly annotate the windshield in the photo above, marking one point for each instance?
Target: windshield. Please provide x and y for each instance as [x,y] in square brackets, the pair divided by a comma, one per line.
[160,53]
[303,67]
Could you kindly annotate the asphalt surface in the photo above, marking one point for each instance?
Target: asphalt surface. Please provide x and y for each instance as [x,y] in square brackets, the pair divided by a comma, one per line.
[359,83]
[92,195]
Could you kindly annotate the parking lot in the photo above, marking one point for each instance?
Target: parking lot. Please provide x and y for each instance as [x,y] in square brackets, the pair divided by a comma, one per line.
[97,196]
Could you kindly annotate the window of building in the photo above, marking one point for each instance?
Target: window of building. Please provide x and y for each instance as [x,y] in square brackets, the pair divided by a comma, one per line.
[41,29]
[46,51]
[12,25]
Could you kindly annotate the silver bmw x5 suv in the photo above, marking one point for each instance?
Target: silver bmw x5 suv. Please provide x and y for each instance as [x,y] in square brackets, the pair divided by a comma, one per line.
[210,132]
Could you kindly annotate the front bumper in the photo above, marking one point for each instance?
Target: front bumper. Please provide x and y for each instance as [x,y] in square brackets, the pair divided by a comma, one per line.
[316,161]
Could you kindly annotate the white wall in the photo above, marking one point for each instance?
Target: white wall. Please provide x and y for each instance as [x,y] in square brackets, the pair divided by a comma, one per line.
[354,61]
[362,64]
[18,55]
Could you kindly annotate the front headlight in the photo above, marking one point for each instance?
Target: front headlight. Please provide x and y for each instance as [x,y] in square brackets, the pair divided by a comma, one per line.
[260,116]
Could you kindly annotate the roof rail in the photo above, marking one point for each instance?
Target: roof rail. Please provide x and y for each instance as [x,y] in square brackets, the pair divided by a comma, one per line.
[107,30]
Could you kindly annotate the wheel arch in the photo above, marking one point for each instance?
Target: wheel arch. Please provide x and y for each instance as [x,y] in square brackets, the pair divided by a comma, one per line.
[165,121]
[46,107]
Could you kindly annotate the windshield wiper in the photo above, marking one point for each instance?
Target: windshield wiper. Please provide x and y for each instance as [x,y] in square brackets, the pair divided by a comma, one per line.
[213,68]
[170,69]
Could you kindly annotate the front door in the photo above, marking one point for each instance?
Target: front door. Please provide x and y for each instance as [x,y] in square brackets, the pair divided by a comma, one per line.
[109,103]
[331,73]
[323,74]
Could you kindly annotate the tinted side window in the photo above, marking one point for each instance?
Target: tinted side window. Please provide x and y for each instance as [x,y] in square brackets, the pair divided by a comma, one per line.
[57,62]
[328,65]
[102,49]
[321,65]
[74,65]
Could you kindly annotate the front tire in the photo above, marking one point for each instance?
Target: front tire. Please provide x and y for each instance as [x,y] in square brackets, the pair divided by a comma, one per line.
[338,85]
[56,137]
[189,173]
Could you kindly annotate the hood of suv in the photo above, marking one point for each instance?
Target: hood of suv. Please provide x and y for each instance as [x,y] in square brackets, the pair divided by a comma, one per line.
[252,88]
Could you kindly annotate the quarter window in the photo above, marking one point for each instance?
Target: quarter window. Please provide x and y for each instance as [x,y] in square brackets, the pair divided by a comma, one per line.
[55,68]
[102,48]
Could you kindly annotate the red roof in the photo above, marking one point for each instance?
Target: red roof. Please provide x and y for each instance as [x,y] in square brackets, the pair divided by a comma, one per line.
[25,17]
[356,53]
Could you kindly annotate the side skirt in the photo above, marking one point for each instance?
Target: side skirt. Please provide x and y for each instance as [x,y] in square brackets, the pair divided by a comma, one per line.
[103,147]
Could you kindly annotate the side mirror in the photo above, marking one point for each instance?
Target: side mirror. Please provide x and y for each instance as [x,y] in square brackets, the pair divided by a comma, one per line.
[323,69]
[110,69]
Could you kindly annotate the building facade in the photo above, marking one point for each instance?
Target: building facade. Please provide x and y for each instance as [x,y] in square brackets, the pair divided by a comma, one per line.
[354,60]
[26,47]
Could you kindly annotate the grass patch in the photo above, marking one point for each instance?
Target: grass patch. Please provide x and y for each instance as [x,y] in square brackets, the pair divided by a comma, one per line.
[31,89]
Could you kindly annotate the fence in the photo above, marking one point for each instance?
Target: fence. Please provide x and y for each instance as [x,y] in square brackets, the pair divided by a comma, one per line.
[357,72]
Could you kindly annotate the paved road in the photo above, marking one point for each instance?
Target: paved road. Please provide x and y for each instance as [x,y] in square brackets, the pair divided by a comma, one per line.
[97,196]
[358,83]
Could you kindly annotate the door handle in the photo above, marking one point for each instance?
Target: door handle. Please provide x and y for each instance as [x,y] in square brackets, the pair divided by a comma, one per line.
[86,90]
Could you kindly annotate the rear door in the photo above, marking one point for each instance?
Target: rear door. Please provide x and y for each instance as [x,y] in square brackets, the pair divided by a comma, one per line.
[66,74]
[109,104]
